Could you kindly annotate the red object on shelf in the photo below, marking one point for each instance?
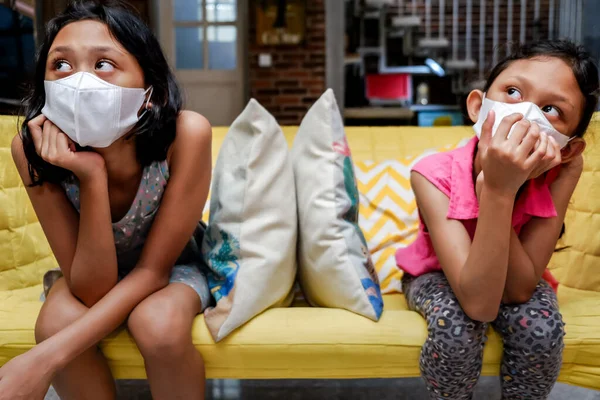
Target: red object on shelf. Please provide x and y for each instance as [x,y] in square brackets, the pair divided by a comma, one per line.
[389,87]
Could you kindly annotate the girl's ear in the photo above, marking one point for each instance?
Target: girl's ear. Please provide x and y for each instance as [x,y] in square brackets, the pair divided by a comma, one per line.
[474,101]
[573,149]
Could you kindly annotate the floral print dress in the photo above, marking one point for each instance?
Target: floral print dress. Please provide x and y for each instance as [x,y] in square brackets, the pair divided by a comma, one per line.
[132,230]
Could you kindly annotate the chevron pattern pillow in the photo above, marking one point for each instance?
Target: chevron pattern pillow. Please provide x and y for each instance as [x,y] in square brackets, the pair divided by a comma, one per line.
[388,212]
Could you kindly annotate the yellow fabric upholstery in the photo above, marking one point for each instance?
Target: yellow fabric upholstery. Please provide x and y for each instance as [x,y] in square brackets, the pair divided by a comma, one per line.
[24,252]
[579,265]
[303,342]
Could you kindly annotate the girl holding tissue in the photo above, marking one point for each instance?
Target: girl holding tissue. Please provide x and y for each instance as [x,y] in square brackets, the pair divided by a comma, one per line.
[491,214]
[118,175]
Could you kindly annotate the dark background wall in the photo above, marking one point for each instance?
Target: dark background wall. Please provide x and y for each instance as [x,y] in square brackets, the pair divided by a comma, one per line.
[591,27]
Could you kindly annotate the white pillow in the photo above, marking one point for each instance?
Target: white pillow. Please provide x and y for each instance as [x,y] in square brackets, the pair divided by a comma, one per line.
[335,267]
[250,242]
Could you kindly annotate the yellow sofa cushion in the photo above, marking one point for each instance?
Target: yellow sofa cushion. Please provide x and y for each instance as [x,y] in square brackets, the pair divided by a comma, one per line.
[303,342]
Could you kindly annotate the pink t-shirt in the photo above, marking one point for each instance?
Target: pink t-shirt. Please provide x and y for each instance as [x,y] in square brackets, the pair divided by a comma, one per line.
[452,173]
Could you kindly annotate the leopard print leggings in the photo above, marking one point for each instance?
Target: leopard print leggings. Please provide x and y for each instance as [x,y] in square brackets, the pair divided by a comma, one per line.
[451,358]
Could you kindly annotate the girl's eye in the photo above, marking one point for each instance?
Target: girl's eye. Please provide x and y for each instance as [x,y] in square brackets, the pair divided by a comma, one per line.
[551,110]
[514,93]
[62,66]
[104,66]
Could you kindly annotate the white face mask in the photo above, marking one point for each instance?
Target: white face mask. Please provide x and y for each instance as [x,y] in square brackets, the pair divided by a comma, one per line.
[530,111]
[91,111]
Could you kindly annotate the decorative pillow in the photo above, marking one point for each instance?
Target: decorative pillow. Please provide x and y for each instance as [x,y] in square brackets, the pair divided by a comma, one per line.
[250,242]
[335,267]
[388,211]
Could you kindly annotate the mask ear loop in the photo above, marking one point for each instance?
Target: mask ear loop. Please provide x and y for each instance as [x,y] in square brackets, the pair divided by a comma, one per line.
[151,89]
[569,141]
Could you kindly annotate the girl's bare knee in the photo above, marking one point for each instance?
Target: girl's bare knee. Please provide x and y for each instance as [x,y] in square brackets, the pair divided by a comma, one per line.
[60,310]
[160,329]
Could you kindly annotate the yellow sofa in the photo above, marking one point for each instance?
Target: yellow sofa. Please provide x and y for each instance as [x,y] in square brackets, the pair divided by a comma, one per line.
[303,342]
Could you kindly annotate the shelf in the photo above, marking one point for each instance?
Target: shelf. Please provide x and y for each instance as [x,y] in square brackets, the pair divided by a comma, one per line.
[12,102]
[411,21]
[410,69]
[434,107]
[380,3]
[372,14]
[362,51]
[352,59]
[400,113]
[460,64]
[434,43]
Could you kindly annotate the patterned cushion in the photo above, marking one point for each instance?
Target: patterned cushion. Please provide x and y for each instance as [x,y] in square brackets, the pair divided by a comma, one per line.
[334,265]
[388,211]
[250,242]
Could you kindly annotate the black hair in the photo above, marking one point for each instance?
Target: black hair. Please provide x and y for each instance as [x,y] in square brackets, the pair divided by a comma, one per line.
[581,62]
[155,132]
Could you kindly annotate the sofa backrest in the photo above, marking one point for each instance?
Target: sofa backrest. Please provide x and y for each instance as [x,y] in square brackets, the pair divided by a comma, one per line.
[24,251]
[25,254]
[578,265]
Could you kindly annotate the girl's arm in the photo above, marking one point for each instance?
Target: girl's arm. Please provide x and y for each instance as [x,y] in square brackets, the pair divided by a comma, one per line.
[477,270]
[178,216]
[532,250]
[94,269]
[520,266]
[83,244]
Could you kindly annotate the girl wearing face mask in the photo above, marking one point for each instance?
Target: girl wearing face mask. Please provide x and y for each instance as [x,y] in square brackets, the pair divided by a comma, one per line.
[118,175]
[491,214]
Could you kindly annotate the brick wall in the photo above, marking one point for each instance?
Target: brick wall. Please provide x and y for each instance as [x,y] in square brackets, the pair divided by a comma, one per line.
[297,77]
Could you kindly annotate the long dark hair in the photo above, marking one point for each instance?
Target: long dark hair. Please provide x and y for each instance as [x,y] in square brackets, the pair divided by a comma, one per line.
[155,132]
[581,62]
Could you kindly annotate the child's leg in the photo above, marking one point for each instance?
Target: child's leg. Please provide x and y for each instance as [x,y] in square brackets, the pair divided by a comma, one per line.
[162,328]
[451,358]
[533,344]
[88,376]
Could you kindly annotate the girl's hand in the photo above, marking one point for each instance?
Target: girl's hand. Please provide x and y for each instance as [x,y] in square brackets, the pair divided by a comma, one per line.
[24,378]
[551,158]
[54,147]
[508,162]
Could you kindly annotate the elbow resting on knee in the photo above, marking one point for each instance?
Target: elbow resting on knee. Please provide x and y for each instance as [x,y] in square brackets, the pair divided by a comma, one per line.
[481,312]
[520,297]
[90,294]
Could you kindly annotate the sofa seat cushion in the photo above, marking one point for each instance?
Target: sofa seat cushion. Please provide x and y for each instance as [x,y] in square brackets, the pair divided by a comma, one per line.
[581,358]
[319,343]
